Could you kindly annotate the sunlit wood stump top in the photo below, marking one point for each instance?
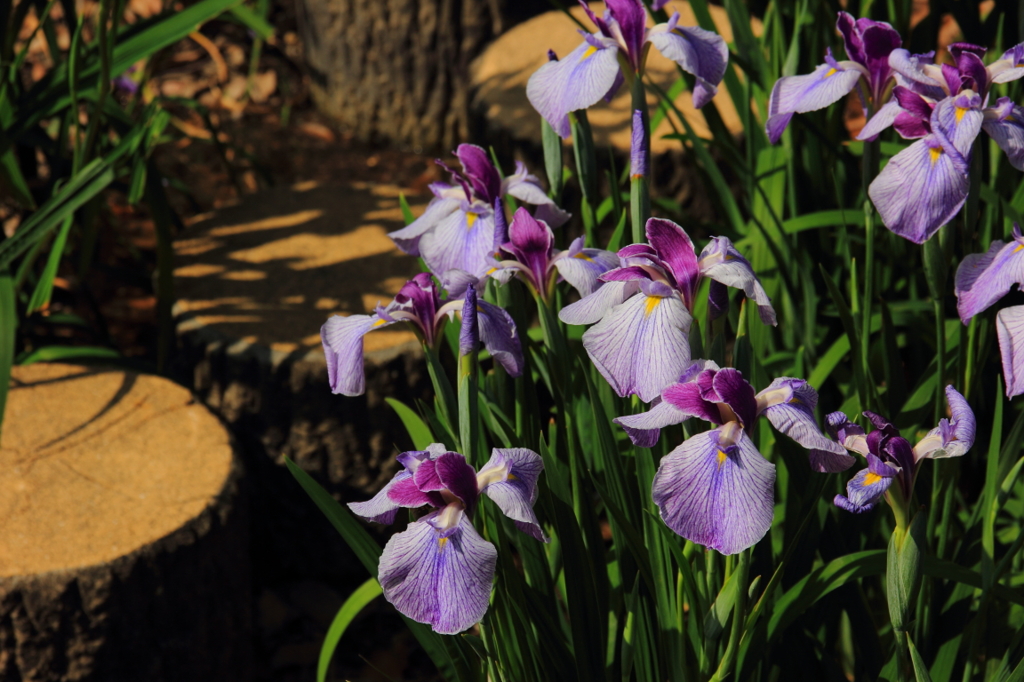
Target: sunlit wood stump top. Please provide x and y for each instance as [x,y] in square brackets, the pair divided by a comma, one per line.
[254,282]
[123,545]
[500,75]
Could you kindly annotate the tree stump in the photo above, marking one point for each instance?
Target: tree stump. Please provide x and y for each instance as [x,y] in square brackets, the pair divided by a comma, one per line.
[254,284]
[397,69]
[123,547]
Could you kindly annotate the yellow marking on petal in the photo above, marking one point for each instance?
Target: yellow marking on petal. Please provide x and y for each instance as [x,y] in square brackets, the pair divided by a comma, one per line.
[512,477]
[831,72]
[935,153]
[721,458]
[490,272]
[589,53]
[1010,118]
[441,542]
[652,303]
[583,256]
[378,323]
[960,111]
[871,479]
[470,219]
[1018,248]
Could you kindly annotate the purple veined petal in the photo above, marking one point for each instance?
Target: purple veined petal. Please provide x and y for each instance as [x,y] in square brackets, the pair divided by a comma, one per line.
[920,189]
[882,119]
[959,118]
[637,251]
[723,263]
[738,394]
[500,338]
[342,338]
[461,242]
[526,187]
[531,242]
[852,39]
[627,273]
[458,477]
[439,577]
[593,308]
[480,172]
[645,428]
[675,249]
[420,297]
[984,278]
[552,215]
[697,51]
[380,508]
[953,437]
[849,435]
[789,405]
[880,39]
[918,68]
[631,19]
[510,479]
[582,267]
[867,486]
[1009,67]
[406,492]
[469,330]
[1010,330]
[438,210]
[1005,124]
[719,498]
[593,72]
[690,399]
[641,346]
[456,282]
[545,89]
[799,94]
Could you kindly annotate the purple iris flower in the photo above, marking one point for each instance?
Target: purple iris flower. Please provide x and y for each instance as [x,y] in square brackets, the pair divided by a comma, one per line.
[439,570]
[593,70]
[640,343]
[984,278]
[868,45]
[530,253]
[716,489]
[419,302]
[457,230]
[945,109]
[891,458]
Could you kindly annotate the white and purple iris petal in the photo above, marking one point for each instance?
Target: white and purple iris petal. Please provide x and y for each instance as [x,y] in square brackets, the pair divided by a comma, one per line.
[867,486]
[677,403]
[1010,330]
[952,437]
[984,278]
[789,405]
[699,52]
[721,262]
[510,479]
[1004,123]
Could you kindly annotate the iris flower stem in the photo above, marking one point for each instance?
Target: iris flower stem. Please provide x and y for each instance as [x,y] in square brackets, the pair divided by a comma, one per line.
[728,663]
[639,185]
[469,408]
[443,393]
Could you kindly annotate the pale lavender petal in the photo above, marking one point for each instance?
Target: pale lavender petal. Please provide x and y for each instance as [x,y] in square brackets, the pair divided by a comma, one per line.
[552,214]
[342,338]
[438,210]
[701,53]
[717,497]
[920,189]
[723,263]
[510,479]
[789,405]
[882,119]
[460,242]
[593,71]
[984,278]
[440,578]
[499,336]
[545,89]
[380,508]
[645,428]
[592,308]
[641,346]
[1005,124]
[582,267]
[867,486]
[525,186]
[959,118]
[799,94]
[1010,330]
[1009,67]
[913,67]
[457,282]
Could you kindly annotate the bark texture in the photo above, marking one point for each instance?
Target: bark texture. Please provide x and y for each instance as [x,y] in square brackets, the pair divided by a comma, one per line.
[398,69]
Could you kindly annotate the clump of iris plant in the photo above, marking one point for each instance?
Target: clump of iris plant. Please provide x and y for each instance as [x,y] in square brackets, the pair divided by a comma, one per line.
[439,570]
[595,69]
[419,302]
[457,230]
[640,342]
[926,184]
[984,278]
[716,489]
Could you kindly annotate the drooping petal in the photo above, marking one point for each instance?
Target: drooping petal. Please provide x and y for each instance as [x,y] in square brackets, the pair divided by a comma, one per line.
[480,172]
[592,308]
[342,338]
[851,436]
[439,577]
[1005,124]
[544,90]
[641,346]
[460,242]
[867,486]
[581,267]
[723,263]
[882,119]
[438,210]
[526,187]
[953,437]
[916,68]
[920,189]
[984,278]
[719,498]
[959,118]
[799,94]
[1010,330]
[380,508]
[510,479]
[789,405]
[645,428]
[699,52]
[500,338]
[675,249]
[591,70]
[1009,67]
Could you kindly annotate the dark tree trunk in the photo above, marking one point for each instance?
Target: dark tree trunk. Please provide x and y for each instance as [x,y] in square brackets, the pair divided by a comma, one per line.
[397,69]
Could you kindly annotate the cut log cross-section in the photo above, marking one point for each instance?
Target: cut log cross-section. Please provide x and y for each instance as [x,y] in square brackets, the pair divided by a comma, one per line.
[124,551]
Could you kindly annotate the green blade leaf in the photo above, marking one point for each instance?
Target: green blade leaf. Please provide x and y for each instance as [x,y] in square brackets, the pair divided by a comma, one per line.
[419,432]
[356,602]
[66,353]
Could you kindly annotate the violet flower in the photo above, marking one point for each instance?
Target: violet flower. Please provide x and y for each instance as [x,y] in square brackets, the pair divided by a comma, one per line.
[456,232]
[716,489]
[640,343]
[419,303]
[439,571]
[531,255]
[890,457]
[594,69]
[984,278]
[868,45]
[925,185]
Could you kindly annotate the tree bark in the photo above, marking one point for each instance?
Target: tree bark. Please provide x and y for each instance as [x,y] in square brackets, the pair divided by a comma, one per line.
[397,69]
